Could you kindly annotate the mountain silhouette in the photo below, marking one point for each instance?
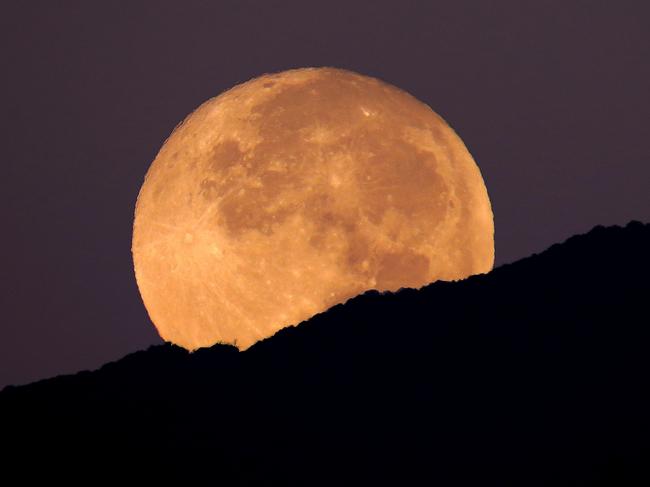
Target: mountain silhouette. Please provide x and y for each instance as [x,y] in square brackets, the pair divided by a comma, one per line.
[534,374]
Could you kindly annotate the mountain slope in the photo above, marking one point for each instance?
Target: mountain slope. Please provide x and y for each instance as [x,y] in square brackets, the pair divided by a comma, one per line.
[535,374]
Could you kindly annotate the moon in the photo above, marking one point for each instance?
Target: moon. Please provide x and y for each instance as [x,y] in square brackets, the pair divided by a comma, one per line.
[298,190]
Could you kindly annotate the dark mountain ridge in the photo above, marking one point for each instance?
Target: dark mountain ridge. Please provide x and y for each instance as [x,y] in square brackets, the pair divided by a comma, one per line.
[534,374]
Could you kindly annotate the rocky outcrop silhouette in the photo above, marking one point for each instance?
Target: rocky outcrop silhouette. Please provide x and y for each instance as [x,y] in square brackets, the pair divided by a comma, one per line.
[534,374]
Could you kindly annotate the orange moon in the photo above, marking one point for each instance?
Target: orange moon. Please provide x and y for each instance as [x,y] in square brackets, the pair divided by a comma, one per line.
[295,191]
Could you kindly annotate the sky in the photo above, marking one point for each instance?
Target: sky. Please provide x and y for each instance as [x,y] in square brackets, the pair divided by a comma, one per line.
[550,97]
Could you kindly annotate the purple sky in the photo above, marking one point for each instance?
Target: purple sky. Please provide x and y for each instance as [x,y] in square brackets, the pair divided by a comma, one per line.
[551,97]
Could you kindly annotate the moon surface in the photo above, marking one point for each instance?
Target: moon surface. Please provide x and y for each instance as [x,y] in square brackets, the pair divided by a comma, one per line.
[296,191]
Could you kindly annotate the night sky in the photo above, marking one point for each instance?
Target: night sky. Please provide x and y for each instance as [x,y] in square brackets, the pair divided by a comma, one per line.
[552,98]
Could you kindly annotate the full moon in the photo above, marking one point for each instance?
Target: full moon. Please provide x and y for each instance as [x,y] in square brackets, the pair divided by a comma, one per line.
[295,191]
